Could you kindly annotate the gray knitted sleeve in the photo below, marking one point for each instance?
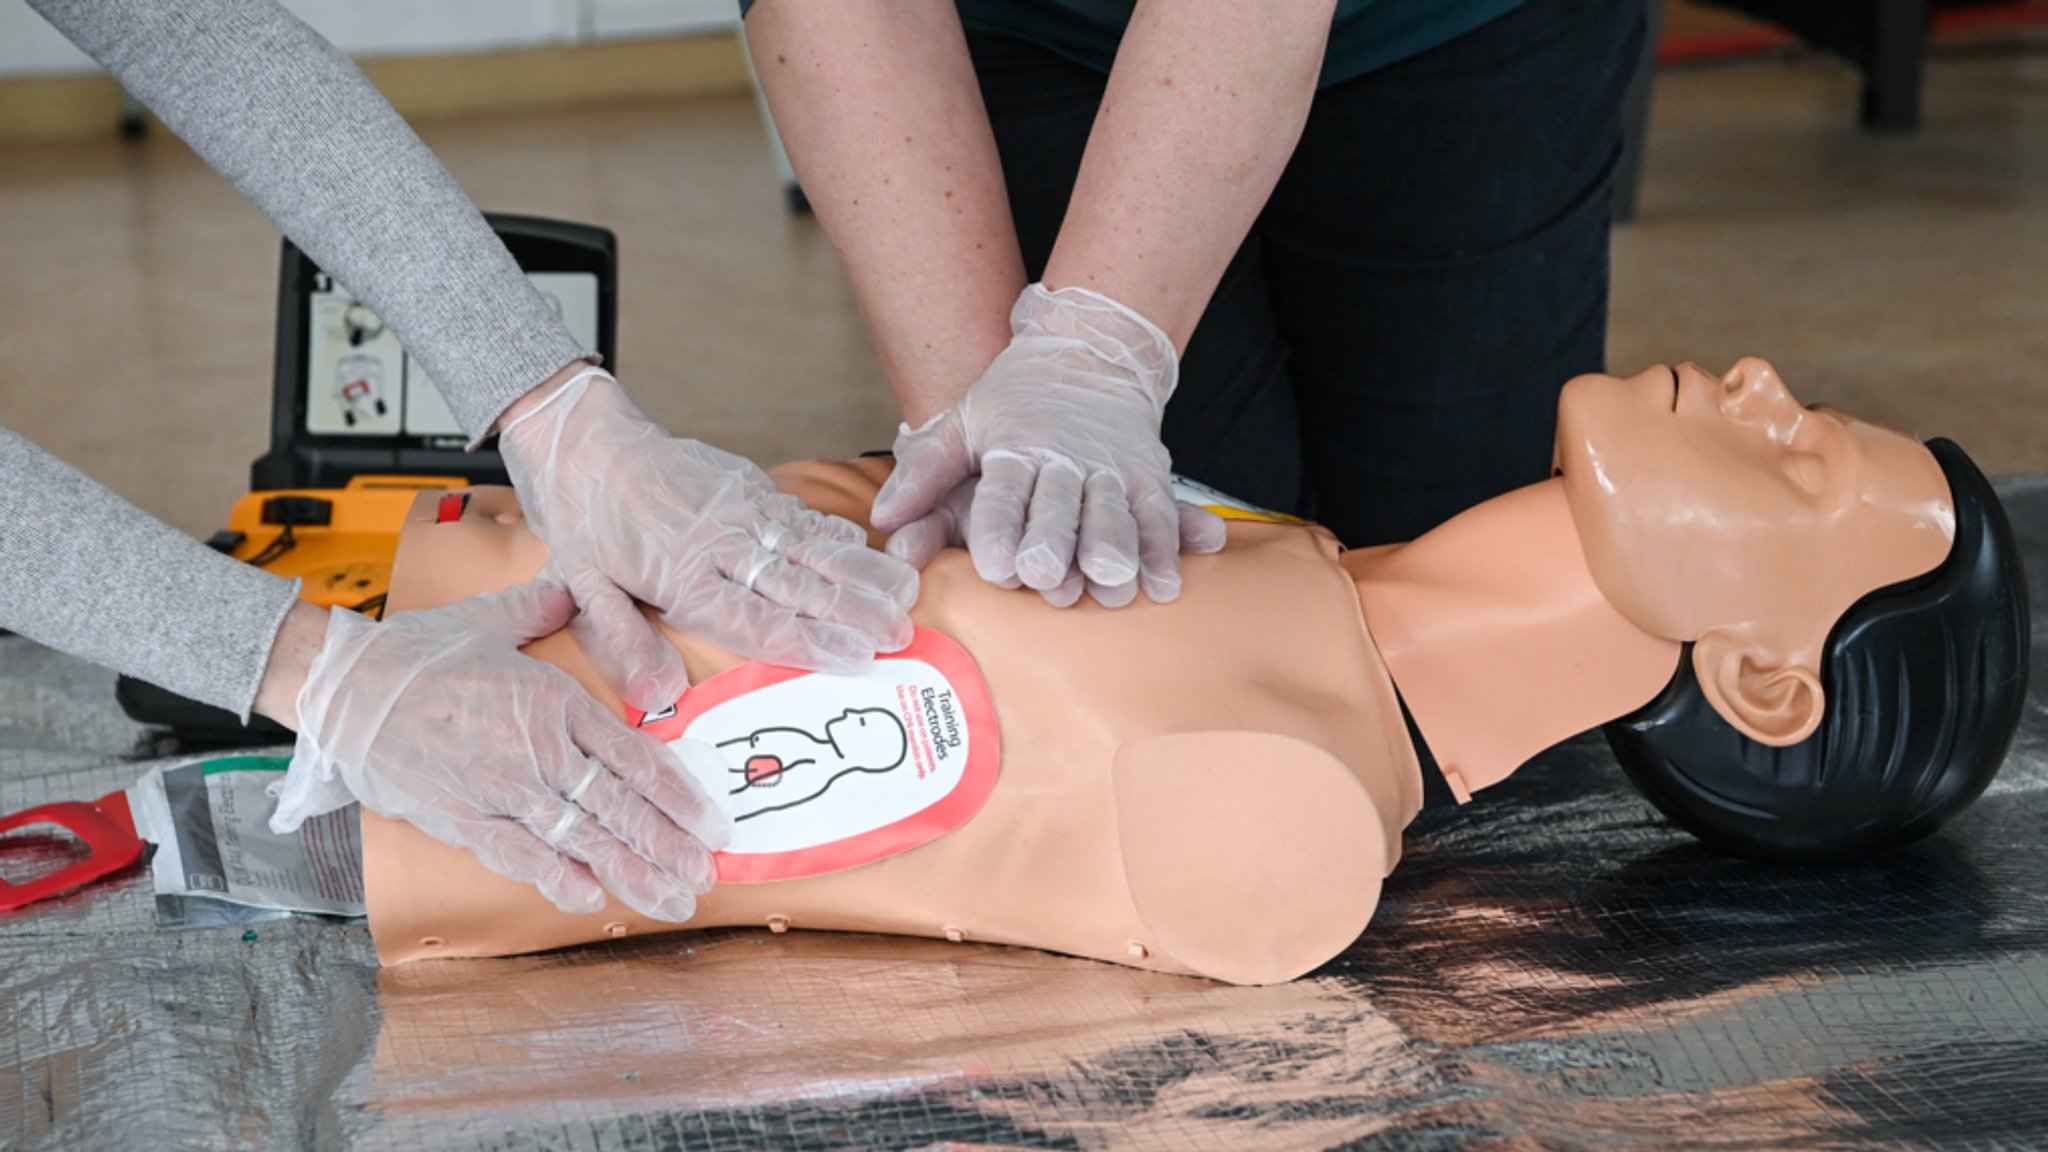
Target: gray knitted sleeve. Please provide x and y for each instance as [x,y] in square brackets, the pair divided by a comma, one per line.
[298,129]
[87,572]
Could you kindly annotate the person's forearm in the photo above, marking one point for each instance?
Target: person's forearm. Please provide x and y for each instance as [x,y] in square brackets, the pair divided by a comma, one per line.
[85,572]
[298,129]
[1205,104]
[291,656]
[882,115]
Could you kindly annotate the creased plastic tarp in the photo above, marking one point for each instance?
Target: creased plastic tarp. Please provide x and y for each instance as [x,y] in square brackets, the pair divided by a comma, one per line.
[1551,966]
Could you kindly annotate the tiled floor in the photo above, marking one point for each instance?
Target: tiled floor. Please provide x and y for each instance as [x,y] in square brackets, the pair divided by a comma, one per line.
[1906,279]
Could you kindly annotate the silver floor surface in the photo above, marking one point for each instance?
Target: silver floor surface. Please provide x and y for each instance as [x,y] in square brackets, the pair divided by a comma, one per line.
[1551,966]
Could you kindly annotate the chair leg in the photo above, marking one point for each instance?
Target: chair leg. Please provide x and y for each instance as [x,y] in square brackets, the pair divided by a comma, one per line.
[1891,72]
[1635,118]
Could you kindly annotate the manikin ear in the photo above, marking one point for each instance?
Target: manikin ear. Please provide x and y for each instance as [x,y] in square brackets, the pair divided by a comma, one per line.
[1767,700]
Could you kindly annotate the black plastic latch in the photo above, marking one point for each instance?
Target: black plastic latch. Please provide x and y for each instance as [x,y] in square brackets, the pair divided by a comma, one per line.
[298,511]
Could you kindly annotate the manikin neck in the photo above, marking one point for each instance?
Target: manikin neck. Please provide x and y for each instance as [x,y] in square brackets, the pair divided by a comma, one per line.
[1497,638]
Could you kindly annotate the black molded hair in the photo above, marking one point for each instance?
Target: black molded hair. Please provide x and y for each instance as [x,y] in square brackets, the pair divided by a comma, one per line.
[1924,683]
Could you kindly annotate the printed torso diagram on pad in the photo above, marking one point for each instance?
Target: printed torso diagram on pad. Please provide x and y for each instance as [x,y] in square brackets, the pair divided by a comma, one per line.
[784,767]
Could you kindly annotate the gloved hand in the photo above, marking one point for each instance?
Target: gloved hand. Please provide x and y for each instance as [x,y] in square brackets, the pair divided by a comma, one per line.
[629,512]
[436,718]
[1063,431]
[950,524]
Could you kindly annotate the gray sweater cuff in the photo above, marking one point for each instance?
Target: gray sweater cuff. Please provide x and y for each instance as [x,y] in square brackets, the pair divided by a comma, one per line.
[88,573]
[300,131]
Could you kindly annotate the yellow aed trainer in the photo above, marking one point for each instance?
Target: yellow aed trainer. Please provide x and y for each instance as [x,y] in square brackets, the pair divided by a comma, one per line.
[339,541]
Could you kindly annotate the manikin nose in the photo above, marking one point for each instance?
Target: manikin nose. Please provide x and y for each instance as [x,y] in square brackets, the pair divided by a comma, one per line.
[1752,391]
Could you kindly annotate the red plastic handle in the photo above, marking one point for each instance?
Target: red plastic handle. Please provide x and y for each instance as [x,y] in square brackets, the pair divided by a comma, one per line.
[107,832]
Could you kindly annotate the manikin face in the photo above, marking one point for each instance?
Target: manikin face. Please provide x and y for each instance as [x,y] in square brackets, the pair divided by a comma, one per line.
[1721,511]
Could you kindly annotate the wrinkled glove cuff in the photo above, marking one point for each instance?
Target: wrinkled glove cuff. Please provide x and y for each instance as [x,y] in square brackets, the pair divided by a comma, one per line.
[1114,331]
[580,382]
[316,781]
[311,787]
[530,443]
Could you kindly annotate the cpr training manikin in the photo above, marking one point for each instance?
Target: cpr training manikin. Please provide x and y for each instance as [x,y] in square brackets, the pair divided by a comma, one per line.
[1807,634]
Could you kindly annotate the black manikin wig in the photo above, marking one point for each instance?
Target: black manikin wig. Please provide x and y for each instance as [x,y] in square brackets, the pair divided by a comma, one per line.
[1924,683]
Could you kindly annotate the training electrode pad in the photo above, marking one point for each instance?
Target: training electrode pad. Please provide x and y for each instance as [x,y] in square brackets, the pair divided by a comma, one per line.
[822,772]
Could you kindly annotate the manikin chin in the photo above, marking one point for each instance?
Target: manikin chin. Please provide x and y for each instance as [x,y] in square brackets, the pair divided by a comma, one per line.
[1807,635]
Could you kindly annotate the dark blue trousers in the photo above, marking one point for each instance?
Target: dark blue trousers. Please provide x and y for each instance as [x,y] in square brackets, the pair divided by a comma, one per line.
[1386,348]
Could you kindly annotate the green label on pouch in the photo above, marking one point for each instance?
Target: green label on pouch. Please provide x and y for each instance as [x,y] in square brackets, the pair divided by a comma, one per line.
[246,764]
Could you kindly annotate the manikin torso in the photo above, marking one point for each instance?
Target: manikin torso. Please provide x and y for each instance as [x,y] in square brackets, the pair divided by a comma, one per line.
[1216,787]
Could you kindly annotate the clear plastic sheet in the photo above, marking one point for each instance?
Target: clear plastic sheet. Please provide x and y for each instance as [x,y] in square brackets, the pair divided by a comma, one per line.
[1551,966]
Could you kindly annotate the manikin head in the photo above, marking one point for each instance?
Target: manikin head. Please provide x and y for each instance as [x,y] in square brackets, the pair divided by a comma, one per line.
[1851,600]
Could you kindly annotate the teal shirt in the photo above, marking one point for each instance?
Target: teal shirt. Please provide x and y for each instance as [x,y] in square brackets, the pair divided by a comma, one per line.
[1366,35]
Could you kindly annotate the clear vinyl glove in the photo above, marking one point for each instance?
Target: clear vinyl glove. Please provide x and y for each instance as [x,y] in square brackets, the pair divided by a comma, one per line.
[435,717]
[950,524]
[1074,487]
[629,512]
